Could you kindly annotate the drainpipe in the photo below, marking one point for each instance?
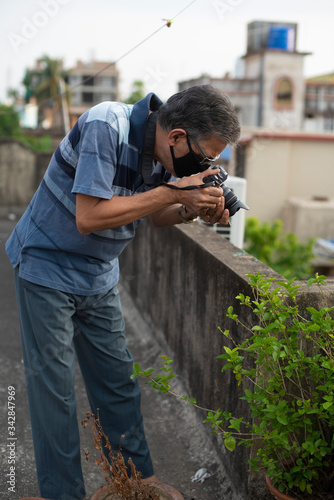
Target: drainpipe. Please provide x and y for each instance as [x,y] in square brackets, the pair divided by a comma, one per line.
[260,105]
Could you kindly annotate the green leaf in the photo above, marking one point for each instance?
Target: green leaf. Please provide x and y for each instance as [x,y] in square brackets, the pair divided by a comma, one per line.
[136,367]
[235,423]
[309,489]
[230,443]
[282,419]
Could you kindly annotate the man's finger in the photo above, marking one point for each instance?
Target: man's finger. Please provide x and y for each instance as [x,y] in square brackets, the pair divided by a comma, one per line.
[209,171]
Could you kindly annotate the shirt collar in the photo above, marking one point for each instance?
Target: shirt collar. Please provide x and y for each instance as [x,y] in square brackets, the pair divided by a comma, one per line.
[138,118]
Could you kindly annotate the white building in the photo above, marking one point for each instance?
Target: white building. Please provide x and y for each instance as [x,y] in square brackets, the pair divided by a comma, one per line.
[319,103]
[88,87]
[269,89]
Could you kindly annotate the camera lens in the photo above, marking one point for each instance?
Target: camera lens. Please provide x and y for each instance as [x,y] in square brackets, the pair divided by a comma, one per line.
[232,202]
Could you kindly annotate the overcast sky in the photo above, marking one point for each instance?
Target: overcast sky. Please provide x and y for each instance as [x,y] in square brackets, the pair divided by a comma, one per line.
[207,37]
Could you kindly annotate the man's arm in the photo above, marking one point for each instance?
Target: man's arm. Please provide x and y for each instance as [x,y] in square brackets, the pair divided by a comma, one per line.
[95,214]
[170,216]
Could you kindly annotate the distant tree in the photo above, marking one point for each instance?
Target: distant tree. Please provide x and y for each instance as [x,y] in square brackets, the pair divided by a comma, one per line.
[43,83]
[52,73]
[13,93]
[9,121]
[137,93]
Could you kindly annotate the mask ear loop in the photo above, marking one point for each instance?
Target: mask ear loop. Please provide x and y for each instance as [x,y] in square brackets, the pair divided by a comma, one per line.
[193,152]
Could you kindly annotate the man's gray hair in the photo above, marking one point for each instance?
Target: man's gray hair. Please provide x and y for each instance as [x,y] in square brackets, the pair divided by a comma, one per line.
[202,111]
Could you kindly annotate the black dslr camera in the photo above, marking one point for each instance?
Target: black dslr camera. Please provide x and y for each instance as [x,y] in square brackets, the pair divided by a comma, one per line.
[232,203]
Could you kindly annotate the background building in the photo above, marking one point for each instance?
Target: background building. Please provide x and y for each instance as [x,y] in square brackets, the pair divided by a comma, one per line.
[319,103]
[289,173]
[269,89]
[285,155]
[88,87]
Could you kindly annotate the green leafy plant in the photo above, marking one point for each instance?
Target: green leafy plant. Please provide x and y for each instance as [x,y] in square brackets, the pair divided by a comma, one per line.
[10,127]
[41,144]
[137,92]
[286,370]
[281,251]
[9,121]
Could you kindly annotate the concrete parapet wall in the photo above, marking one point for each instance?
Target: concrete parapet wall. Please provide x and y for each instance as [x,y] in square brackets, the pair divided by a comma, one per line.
[183,279]
[17,172]
[21,171]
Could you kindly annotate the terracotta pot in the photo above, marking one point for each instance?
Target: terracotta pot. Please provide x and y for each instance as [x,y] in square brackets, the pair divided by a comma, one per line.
[276,493]
[165,492]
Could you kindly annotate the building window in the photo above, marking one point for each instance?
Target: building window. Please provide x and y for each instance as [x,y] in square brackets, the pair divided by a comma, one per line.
[329,123]
[284,93]
[88,81]
[106,97]
[106,81]
[87,97]
[311,104]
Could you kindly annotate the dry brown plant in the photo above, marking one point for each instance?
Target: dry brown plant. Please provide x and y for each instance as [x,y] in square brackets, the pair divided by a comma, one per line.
[120,483]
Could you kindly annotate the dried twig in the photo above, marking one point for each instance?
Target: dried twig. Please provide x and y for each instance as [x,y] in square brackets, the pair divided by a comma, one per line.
[119,481]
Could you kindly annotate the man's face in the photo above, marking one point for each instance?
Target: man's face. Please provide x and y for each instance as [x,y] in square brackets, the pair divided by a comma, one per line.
[189,155]
[208,150]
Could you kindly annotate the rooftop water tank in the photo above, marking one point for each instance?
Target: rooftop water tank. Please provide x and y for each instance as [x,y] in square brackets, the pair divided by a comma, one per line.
[281,38]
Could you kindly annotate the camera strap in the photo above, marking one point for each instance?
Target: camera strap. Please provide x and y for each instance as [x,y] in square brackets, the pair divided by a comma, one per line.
[187,188]
[148,150]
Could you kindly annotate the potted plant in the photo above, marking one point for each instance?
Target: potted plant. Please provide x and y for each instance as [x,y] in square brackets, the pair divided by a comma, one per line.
[122,483]
[285,368]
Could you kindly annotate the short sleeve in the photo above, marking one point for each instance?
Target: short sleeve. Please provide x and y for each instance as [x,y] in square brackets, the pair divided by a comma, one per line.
[97,160]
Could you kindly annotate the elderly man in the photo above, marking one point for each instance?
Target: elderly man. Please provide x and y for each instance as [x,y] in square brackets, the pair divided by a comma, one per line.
[118,164]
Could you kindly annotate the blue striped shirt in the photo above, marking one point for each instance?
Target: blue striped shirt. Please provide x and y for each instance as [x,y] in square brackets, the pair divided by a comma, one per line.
[101,157]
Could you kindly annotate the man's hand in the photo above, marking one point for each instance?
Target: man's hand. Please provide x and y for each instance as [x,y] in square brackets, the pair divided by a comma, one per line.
[208,203]
[220,214]
[198,200]
[196,179]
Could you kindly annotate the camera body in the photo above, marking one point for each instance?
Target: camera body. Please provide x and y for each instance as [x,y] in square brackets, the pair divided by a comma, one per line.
[232,203]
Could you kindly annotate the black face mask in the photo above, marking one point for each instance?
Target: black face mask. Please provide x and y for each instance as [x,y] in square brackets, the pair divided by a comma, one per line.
[188,164]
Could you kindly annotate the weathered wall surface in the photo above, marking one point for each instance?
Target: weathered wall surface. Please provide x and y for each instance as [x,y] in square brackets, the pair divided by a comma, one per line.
[21,171]
[284,166]
[183,279]
[17,173]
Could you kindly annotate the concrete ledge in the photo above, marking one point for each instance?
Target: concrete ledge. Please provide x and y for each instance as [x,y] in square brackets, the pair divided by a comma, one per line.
[183,279]
[21,171]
